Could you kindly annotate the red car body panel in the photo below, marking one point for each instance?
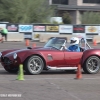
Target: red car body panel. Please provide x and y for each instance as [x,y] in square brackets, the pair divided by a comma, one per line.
[88,53]
[73,58]
[54,57]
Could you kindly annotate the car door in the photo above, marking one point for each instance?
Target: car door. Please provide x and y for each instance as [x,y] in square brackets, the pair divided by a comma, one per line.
[72,58]
[55,58]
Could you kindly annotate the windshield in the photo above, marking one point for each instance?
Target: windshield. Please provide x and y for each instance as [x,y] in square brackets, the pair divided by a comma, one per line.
[55,42]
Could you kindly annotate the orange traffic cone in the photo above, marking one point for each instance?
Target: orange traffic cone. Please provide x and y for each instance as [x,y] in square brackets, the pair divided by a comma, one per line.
[34,44]
[27,42]
[94,43]
[78,74]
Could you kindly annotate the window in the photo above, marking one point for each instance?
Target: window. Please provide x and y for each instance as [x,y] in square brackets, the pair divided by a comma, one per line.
[55,1]
[91,1]
[65,2]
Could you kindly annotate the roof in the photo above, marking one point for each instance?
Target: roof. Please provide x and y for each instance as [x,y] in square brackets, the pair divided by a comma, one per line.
[75,7]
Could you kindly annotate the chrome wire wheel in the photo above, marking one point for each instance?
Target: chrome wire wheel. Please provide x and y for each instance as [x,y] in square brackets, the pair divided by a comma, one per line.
[34,65]
[92,65]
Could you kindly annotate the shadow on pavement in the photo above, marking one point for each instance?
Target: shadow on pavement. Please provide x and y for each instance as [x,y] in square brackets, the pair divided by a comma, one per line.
[3,72]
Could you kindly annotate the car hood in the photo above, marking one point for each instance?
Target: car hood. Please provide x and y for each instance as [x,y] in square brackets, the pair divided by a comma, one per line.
[42,48]
[27,50]
[16,51]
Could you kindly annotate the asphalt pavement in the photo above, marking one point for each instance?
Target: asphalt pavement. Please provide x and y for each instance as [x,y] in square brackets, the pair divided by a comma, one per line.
[49,85]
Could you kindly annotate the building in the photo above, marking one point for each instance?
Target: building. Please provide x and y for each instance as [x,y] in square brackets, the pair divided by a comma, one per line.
[76,7]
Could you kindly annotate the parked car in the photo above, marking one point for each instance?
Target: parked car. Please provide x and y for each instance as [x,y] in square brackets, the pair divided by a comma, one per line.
[52,56]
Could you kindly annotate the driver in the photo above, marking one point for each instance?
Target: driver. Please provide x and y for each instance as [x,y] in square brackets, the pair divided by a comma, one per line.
[74,44]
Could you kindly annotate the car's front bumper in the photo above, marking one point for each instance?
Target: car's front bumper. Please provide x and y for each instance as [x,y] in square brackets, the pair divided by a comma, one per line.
[5,61]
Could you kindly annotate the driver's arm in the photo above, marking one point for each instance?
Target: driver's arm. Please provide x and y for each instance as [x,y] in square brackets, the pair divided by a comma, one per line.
[65,48]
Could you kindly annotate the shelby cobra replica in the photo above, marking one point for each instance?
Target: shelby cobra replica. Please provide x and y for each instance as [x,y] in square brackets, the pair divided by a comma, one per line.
[52,56]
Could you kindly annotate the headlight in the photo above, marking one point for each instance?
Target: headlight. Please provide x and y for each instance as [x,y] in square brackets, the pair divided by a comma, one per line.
[15,56]
[0,54]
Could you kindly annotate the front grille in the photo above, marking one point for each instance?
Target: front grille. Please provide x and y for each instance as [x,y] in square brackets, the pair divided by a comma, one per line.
[6,61]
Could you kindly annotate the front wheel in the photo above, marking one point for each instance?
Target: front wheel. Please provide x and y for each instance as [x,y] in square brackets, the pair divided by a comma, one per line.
[92,65]
[34,65]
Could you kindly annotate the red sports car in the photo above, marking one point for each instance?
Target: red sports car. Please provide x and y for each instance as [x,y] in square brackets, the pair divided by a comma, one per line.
[52,56]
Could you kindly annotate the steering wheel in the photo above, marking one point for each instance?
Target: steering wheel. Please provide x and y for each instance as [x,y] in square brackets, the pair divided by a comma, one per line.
[64,47]
[54,47]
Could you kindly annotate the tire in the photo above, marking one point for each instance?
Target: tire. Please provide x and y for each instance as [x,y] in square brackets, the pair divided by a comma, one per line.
[11,70]
[34,65]
[92,65]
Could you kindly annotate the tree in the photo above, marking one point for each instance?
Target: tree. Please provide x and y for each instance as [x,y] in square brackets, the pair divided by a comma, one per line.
[66,18]
[25,11]
[90,18]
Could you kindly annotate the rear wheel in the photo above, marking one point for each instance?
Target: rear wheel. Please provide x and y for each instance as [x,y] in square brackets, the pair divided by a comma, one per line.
[34,65]
[92,65]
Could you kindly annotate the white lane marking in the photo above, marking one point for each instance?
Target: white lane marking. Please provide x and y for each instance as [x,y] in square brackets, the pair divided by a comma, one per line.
[59,88]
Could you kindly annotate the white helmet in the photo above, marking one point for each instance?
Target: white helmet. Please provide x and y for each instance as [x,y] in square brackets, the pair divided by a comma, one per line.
[74,40]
